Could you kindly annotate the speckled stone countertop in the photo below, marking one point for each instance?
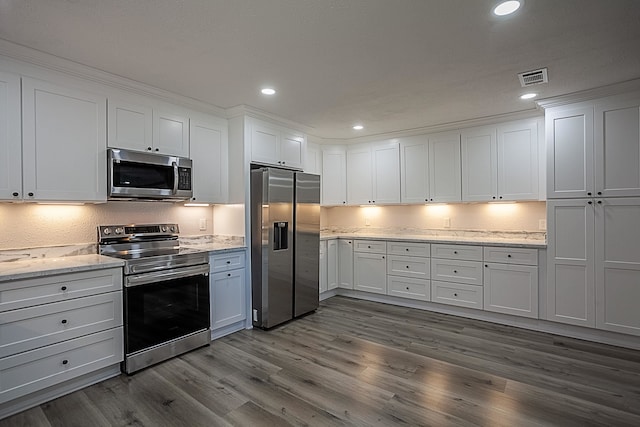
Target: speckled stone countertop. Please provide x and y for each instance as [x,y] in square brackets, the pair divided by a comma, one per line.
[485,238]
[40,267]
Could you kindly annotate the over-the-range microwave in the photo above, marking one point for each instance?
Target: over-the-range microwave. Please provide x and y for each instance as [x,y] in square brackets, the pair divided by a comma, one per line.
[139,175]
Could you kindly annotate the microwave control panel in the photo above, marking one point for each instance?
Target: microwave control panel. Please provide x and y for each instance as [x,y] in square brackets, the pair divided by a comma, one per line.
[184,179]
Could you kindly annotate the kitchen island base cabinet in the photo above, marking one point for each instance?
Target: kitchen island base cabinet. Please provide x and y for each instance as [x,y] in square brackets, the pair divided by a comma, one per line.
[228,293]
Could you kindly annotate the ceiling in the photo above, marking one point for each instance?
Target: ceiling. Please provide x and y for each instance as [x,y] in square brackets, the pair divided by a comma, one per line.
[388,64]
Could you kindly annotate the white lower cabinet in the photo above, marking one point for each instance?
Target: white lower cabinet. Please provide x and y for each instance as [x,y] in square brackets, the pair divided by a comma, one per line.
[345,264]
[456,275]
[323,267]
[456,294]
[227,293]
[370,266]
[332,264]
[511,289]
[408,270]
[57,328]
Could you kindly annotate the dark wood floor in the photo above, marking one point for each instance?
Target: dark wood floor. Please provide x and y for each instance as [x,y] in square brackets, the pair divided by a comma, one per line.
[363,363]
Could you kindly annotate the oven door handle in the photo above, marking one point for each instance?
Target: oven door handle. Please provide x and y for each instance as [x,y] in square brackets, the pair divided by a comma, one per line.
[163,276]
[175,177]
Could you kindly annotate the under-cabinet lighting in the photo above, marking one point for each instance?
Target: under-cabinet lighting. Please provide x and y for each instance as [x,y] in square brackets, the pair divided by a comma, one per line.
[61,203]
[196,204]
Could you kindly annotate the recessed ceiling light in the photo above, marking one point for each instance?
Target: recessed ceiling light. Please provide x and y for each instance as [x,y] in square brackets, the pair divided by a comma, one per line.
[528,95]
[506,7]
[358,127]
[268,91]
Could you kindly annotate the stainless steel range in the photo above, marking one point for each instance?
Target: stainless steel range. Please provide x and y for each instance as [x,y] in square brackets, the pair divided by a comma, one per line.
[166,292]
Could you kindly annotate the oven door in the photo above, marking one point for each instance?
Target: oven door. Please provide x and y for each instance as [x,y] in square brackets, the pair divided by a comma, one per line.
[165,305]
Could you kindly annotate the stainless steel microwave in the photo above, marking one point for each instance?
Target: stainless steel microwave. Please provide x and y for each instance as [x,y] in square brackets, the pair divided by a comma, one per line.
[138,175]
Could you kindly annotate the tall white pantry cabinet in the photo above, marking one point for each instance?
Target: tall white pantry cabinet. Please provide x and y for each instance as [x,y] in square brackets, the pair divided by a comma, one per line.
[593,213]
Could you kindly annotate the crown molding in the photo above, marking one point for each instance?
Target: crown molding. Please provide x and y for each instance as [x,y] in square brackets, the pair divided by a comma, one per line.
[256,113]
[54,63]
[590,94]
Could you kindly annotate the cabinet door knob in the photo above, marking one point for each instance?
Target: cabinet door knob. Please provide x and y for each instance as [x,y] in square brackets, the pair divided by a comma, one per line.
[599,193]
[589,202]
[64,321]
[493,197]
[407,288]
[344,202]
[599,202]
[589,193]
[455,271]
[15,194]
[149,148]
[486,265]
[407,249]
[30,194]
[228,262]
[228,274]
[455,252]
[65,361]
[509,256]
[407,266]
[382,257]
[455,295]
[426,200]
[64,288]
[157,149]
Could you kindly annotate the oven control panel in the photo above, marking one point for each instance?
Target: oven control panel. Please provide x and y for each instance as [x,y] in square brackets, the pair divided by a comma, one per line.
[110,232]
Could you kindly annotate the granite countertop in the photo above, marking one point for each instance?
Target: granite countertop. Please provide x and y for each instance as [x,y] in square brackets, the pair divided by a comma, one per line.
[488,239]
[40,267]
[216,247]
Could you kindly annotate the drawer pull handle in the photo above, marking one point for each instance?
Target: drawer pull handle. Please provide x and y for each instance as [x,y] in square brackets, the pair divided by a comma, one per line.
[407,288]
[455,252]
[65,361]
[64,288]
[369,247]
[382,257]
[228,262]
[64,321]
[228,274]
[486,265]
[455,295]
[455,271]
[509,256]
[407,266]
[407,249]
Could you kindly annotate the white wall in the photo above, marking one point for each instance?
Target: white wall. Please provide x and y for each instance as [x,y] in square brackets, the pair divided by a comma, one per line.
[31,225]
[468,216]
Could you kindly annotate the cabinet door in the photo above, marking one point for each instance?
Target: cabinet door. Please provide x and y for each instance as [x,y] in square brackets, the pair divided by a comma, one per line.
[570,262]
[265,146]
[332,264]
[618,264]
[370,272]
[64,143]
[228,304]
[10,138]
[130,126]
[511,289]
[445,181]
[386,173]
[208,146]
[334,178]
[313,160]
[170,133]
[323,285]
[359,182]
[292,150]
[414,170]
[345,264]
[518,161]
[617,142]
[479,165]
[569,135]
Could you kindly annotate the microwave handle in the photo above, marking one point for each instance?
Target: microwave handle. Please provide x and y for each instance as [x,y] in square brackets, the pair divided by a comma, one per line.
[175,177]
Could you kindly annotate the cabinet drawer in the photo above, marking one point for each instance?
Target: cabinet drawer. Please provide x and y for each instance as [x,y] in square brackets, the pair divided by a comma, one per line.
[524,256]
[373,246]
[42,290]
[469,272]
[465,252]
[456,294]
[407,248]
[228,261]
[408,266]
[409,288]
[37,369]
[33,327]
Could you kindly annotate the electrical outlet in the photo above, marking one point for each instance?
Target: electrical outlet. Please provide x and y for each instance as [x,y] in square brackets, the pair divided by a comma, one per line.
[446,222]
[367,222]
[203,224]
[542,224]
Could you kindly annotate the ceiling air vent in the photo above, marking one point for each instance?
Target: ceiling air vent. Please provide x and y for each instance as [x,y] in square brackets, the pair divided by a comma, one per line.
[535,77]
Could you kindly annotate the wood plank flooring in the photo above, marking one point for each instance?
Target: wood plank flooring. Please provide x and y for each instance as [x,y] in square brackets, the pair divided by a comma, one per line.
[361,363]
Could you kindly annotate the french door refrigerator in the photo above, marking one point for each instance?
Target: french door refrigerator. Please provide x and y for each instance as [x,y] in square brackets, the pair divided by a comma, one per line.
[285,245]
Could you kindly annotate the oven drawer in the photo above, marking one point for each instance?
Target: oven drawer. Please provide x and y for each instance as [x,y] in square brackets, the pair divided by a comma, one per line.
[37,369]
[62,287]
[33,327]
[405,287]
[408,266]
[464,252]
[227,261]
[457,294]
[408,248]
[469,272]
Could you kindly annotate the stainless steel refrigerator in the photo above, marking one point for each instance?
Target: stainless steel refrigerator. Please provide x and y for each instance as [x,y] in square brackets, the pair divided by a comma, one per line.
[285,245]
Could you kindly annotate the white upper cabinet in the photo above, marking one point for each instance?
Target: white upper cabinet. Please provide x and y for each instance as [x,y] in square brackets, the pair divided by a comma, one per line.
[479,165]
[373,174]
[500,163]
[334,177]
[518,161]
[209,153]
[313,159]
[617,144]
[142,127]
[444,168]
[64,143]
[10,138]
[275,145]
[359,173]
[414,171]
